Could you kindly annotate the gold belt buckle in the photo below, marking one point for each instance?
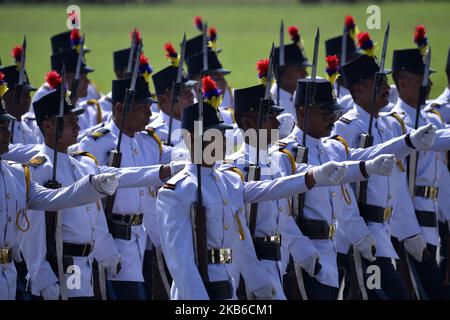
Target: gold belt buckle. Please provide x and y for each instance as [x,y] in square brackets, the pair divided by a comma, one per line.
[387,213]
[331,230]
[135,220]
[225,255]
[431,192]
[4,255]
[274,239]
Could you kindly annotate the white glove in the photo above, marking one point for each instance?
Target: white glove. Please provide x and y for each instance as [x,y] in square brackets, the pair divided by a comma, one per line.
[310,264]
[112,265]
[367,247]
[330,173]
[51,292]
[268,292]
[176,166]
[381,165]
[416,246]
[423,137]
[105,183]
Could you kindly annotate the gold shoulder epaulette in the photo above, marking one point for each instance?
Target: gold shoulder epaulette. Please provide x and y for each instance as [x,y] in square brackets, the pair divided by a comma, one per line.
[169,186]
[86,154]
[345,120]
[151,132]
[36,161]
[94,102]
[97,134]
[434,111]
[343,141]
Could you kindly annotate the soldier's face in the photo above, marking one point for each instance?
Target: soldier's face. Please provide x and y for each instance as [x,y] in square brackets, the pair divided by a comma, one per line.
[364,91]
[71,130]
[186,98]
[5,136]
[21,104]
[269,122]
[139,116]
[220,80]
[320,122]
[290,76]
[409,86]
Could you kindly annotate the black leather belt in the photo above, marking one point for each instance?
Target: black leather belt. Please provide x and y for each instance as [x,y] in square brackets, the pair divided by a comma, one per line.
[119,225]
[428,192]
[374,213]
[316,229]
[77,250]
[222,255]
[219,290]
[132,219]
[426,218]
[268,248]
[5,255]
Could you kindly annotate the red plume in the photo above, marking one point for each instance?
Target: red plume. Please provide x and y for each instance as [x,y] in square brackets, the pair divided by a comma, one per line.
[143,60]
[2,76]
[293,32]
[53,79]
[349,22]
[138,35]
[208,84]
[170,50]
[363,38]
[198,22]
[212,32]
[75,35]
[332,62]
[262,66]
[16,53]
[420,36]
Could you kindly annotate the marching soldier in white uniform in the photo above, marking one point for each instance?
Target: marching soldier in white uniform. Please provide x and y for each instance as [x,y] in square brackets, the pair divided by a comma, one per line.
[408,72]
[382,197]
[84,234]
[274,232]
[316,217]
[20,193]
[133,207]
[207,244]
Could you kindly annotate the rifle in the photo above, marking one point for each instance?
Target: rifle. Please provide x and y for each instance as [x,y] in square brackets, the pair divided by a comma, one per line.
[343,56]
[116,155]
[18,87]
[302,157]
[281,62]
[76,80]
[254,170]
[176,85]
[413,159]
[366,139]
[198,211]
[133,46]
[54,219]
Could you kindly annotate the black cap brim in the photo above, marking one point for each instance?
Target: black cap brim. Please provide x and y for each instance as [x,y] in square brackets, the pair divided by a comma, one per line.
[276,109]
[221,70]
[87,69]
[220,126]
[29,87]
[190,83]
[148,100]
[7,117]
[76,111]
[333,107]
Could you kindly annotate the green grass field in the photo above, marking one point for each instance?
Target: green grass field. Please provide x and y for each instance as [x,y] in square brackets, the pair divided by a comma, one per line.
[245,32]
